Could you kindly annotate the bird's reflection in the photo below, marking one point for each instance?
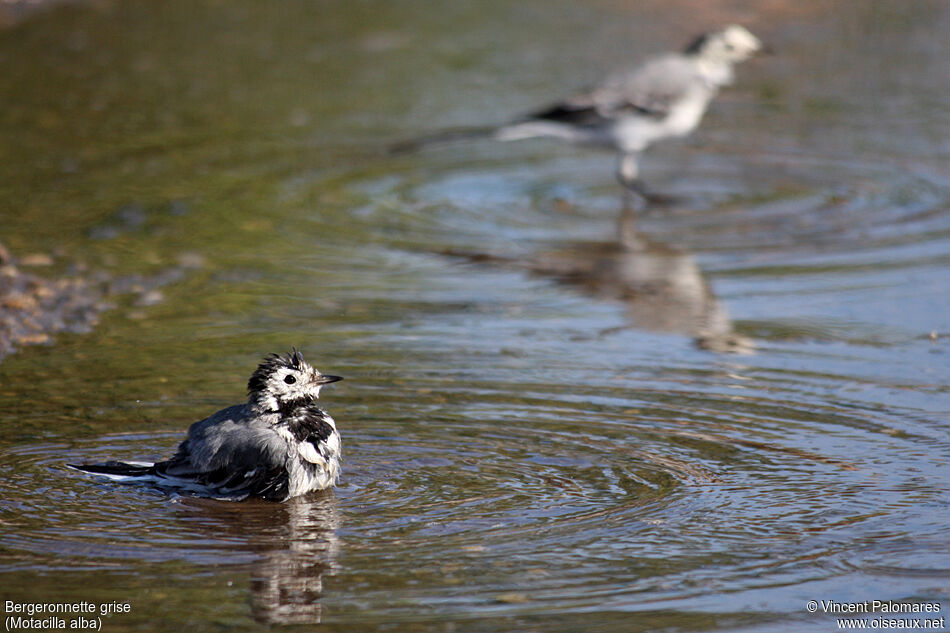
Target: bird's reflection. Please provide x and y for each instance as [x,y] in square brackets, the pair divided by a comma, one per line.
[662,288]
[294,546]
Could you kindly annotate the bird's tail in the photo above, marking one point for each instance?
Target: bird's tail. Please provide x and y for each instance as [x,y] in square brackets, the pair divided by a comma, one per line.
[439,138]
[120,471]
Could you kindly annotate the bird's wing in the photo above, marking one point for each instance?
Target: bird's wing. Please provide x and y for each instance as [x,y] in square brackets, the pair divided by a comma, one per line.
[651,90]
[206,449]
[575,111]
[269,482]
[231,456]
[246,470]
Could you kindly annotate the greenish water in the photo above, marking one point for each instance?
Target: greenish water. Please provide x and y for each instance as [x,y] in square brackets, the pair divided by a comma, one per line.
[543,430]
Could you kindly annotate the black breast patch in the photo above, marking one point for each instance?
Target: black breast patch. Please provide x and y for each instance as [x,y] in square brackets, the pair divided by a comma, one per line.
[309,424]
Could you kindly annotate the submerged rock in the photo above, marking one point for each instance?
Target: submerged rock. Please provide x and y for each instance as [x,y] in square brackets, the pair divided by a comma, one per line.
[34,308]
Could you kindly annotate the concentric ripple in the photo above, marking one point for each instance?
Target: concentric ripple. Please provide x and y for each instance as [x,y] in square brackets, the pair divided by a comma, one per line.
[558,415]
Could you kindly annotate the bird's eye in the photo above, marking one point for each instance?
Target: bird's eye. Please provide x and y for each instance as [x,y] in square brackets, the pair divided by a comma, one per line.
[290,380]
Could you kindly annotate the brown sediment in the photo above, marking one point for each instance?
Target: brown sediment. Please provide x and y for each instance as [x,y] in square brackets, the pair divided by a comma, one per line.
[34,308]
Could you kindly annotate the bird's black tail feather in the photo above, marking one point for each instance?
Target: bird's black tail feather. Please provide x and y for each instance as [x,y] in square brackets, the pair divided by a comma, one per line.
[116,469]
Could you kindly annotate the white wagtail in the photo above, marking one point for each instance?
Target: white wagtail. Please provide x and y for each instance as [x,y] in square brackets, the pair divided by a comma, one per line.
[277,445]
[664,98]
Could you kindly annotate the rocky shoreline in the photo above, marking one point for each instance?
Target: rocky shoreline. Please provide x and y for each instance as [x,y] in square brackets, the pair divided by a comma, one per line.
[34,308]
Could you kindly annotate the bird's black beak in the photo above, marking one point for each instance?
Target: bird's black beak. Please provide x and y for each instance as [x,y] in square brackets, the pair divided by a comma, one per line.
[766,50]
[323,379]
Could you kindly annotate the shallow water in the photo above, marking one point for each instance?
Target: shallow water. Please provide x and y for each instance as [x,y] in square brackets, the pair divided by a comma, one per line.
[700,422]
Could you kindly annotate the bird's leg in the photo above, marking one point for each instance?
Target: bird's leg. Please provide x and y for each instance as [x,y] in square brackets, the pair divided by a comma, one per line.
[628,173]
[628,170]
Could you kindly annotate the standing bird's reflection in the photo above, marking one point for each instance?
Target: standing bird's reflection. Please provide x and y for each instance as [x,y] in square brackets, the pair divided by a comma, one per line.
[662,288]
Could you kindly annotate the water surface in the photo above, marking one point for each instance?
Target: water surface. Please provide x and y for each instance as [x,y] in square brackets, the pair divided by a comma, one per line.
[698,422]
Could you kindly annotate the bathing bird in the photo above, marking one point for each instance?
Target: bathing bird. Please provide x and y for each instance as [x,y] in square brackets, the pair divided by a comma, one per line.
[277,445]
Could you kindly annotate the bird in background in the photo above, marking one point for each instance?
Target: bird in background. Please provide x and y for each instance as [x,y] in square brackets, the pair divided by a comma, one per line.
[664,98]
[277,445]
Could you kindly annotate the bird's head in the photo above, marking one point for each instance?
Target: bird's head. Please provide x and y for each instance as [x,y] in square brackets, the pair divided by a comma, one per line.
[283,383]
[731,45]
